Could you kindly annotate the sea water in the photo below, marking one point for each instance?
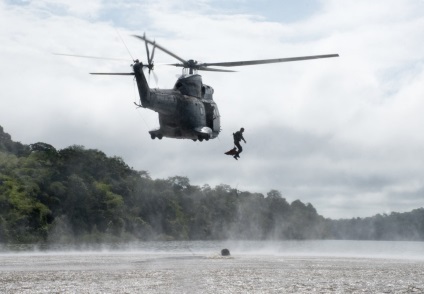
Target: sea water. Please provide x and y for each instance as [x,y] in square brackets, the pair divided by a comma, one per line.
[198,267]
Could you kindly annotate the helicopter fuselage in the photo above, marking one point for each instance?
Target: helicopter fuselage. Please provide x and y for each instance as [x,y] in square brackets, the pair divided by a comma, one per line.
[187,111]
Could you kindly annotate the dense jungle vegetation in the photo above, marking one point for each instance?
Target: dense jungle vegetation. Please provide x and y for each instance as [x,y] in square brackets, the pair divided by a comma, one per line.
[77,195]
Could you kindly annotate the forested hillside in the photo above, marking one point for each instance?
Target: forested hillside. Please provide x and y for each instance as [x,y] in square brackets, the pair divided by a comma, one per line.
[78,195]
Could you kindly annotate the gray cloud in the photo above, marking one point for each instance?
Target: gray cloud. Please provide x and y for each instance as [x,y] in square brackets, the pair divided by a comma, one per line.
[343,134]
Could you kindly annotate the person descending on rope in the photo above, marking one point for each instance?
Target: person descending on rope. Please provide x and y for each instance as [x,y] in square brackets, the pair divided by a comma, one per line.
[238,136]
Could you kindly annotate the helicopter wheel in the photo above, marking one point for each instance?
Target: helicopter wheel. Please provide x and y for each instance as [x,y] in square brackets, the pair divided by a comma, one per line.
[160,137]
[152,136]
[194,140]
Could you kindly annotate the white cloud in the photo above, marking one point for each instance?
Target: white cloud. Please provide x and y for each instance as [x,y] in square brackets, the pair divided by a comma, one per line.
[344,134]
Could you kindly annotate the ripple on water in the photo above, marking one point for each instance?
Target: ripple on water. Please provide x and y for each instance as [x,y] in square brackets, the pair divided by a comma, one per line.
[195,273]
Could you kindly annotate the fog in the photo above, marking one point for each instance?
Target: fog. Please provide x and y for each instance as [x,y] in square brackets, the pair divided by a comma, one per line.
[311,248]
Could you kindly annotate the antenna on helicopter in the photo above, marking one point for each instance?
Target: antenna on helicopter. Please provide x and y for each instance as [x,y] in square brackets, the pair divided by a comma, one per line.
[122,40]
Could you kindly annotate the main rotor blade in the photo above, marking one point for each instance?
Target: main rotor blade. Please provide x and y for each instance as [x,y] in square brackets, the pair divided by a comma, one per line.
[147,51]
[113,73]
[199,67]
[265,61]
[161,48]
[91,57]
[214,69]
[153,51]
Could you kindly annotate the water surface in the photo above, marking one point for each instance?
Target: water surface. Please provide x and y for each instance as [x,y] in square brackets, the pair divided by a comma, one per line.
[197,267]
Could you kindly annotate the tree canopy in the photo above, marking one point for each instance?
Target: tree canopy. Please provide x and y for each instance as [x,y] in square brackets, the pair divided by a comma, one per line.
[82,195]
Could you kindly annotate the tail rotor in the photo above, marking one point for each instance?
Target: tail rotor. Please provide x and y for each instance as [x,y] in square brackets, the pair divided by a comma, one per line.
[150,63]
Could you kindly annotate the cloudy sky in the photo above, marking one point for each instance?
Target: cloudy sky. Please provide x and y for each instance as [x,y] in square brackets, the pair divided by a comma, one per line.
[344,134]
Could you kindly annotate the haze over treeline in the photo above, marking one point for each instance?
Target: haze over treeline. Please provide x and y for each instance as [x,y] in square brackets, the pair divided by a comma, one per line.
[81,195]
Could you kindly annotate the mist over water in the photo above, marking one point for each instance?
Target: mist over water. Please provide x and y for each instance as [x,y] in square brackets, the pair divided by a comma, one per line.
[198,267]
[321,248]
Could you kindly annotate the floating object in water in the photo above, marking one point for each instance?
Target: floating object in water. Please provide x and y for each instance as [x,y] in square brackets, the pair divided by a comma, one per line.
[225,252]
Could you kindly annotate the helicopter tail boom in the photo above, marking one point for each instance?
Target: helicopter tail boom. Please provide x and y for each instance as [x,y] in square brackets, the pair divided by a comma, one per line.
[142,85]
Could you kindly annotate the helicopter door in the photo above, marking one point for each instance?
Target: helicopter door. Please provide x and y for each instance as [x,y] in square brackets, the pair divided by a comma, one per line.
[209,108]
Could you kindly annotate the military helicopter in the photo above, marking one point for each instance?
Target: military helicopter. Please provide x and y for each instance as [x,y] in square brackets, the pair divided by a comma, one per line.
[187,111]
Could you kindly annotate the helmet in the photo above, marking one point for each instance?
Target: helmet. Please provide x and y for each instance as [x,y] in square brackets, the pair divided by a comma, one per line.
[242,129]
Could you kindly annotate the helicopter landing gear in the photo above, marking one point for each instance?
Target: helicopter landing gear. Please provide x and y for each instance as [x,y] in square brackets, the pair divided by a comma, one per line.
[202,137]
[154,136]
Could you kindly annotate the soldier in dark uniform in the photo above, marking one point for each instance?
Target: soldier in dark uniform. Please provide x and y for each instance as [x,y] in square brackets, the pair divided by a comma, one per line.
[238,136]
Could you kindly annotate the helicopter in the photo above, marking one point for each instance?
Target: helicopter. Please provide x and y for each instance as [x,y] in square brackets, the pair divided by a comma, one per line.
[187,111]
